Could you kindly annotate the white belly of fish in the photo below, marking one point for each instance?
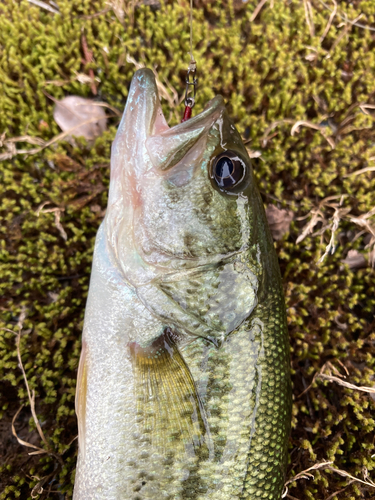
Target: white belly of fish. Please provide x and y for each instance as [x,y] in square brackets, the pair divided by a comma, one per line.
[106,404]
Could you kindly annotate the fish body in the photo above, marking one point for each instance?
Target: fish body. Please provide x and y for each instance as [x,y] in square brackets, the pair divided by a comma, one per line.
[183,385]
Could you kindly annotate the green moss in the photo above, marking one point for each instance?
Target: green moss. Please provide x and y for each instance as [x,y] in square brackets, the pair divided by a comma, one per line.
[268,70]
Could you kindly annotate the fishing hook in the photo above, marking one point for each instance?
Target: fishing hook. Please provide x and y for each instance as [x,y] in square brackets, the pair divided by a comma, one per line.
[190,100]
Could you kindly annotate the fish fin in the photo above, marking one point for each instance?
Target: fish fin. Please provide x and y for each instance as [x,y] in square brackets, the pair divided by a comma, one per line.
[80,400]
[169,410]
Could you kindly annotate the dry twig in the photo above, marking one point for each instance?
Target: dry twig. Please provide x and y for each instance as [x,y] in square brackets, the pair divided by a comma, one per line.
[345,31]
[309,17]
[337,216]
[345,18]
[21,441]
[305,474]
[331,17]
[361,171]
[318,216]
[314,126]
[57,211]
[340,213]
[337,378]
[339,381]
[257,10]
[367,481]
[45,6]
[31,397]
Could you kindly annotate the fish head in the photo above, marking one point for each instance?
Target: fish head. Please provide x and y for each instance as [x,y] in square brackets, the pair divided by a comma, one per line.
[181,198]
[164,181]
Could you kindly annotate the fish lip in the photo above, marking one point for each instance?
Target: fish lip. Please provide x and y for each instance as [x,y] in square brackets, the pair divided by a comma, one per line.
[144,81]
[167,146]
[205,119]
[145,88]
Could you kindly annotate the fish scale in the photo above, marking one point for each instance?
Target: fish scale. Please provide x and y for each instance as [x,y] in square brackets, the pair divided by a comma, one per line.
[183,388]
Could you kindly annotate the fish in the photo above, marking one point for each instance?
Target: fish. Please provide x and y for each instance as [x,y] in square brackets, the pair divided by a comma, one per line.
[183,388]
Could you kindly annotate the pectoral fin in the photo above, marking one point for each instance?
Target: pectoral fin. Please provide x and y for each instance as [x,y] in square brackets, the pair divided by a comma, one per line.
[80,401]
[168,407]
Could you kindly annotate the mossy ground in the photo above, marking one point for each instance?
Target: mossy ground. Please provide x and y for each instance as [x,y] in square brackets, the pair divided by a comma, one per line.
[274,68]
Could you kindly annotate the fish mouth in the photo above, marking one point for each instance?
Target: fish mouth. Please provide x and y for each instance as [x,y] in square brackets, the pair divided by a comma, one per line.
[145,142]
[145,89]
[165,145]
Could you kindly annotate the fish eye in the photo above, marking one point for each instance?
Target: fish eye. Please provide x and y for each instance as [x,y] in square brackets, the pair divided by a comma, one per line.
[228,170]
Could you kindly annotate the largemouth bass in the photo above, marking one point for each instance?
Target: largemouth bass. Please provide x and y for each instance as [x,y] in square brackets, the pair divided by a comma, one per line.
[183,385]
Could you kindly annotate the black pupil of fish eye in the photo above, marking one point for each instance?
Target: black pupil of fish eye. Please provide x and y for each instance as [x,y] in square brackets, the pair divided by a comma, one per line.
[224,168]
[228,172]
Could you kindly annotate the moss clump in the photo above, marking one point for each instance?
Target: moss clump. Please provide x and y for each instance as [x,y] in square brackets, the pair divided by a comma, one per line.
[273,72]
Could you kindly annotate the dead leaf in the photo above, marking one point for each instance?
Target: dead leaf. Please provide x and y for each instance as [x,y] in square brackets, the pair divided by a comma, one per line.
[86,117]
[279,221]
[355,260]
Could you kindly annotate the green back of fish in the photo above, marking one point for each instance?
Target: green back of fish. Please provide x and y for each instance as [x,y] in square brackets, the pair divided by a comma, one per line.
[245,387]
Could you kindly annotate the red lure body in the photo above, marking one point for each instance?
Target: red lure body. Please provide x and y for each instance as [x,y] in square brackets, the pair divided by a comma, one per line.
[187,114]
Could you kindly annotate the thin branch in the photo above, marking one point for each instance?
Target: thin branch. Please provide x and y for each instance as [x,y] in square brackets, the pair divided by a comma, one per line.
[337,216]
[340,491]
[12,151]
[317,216]
[330,378]
[331,17]
[337,378]
[361,171]
[21,441]
[44,5]
[345,31]
[367,481]
[314,126]
[354,23]
[257,10]
[57,212]
[31,396]
[306,474]
[309,17]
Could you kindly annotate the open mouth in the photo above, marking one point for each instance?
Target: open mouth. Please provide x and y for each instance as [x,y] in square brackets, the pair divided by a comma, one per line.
[143,114]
